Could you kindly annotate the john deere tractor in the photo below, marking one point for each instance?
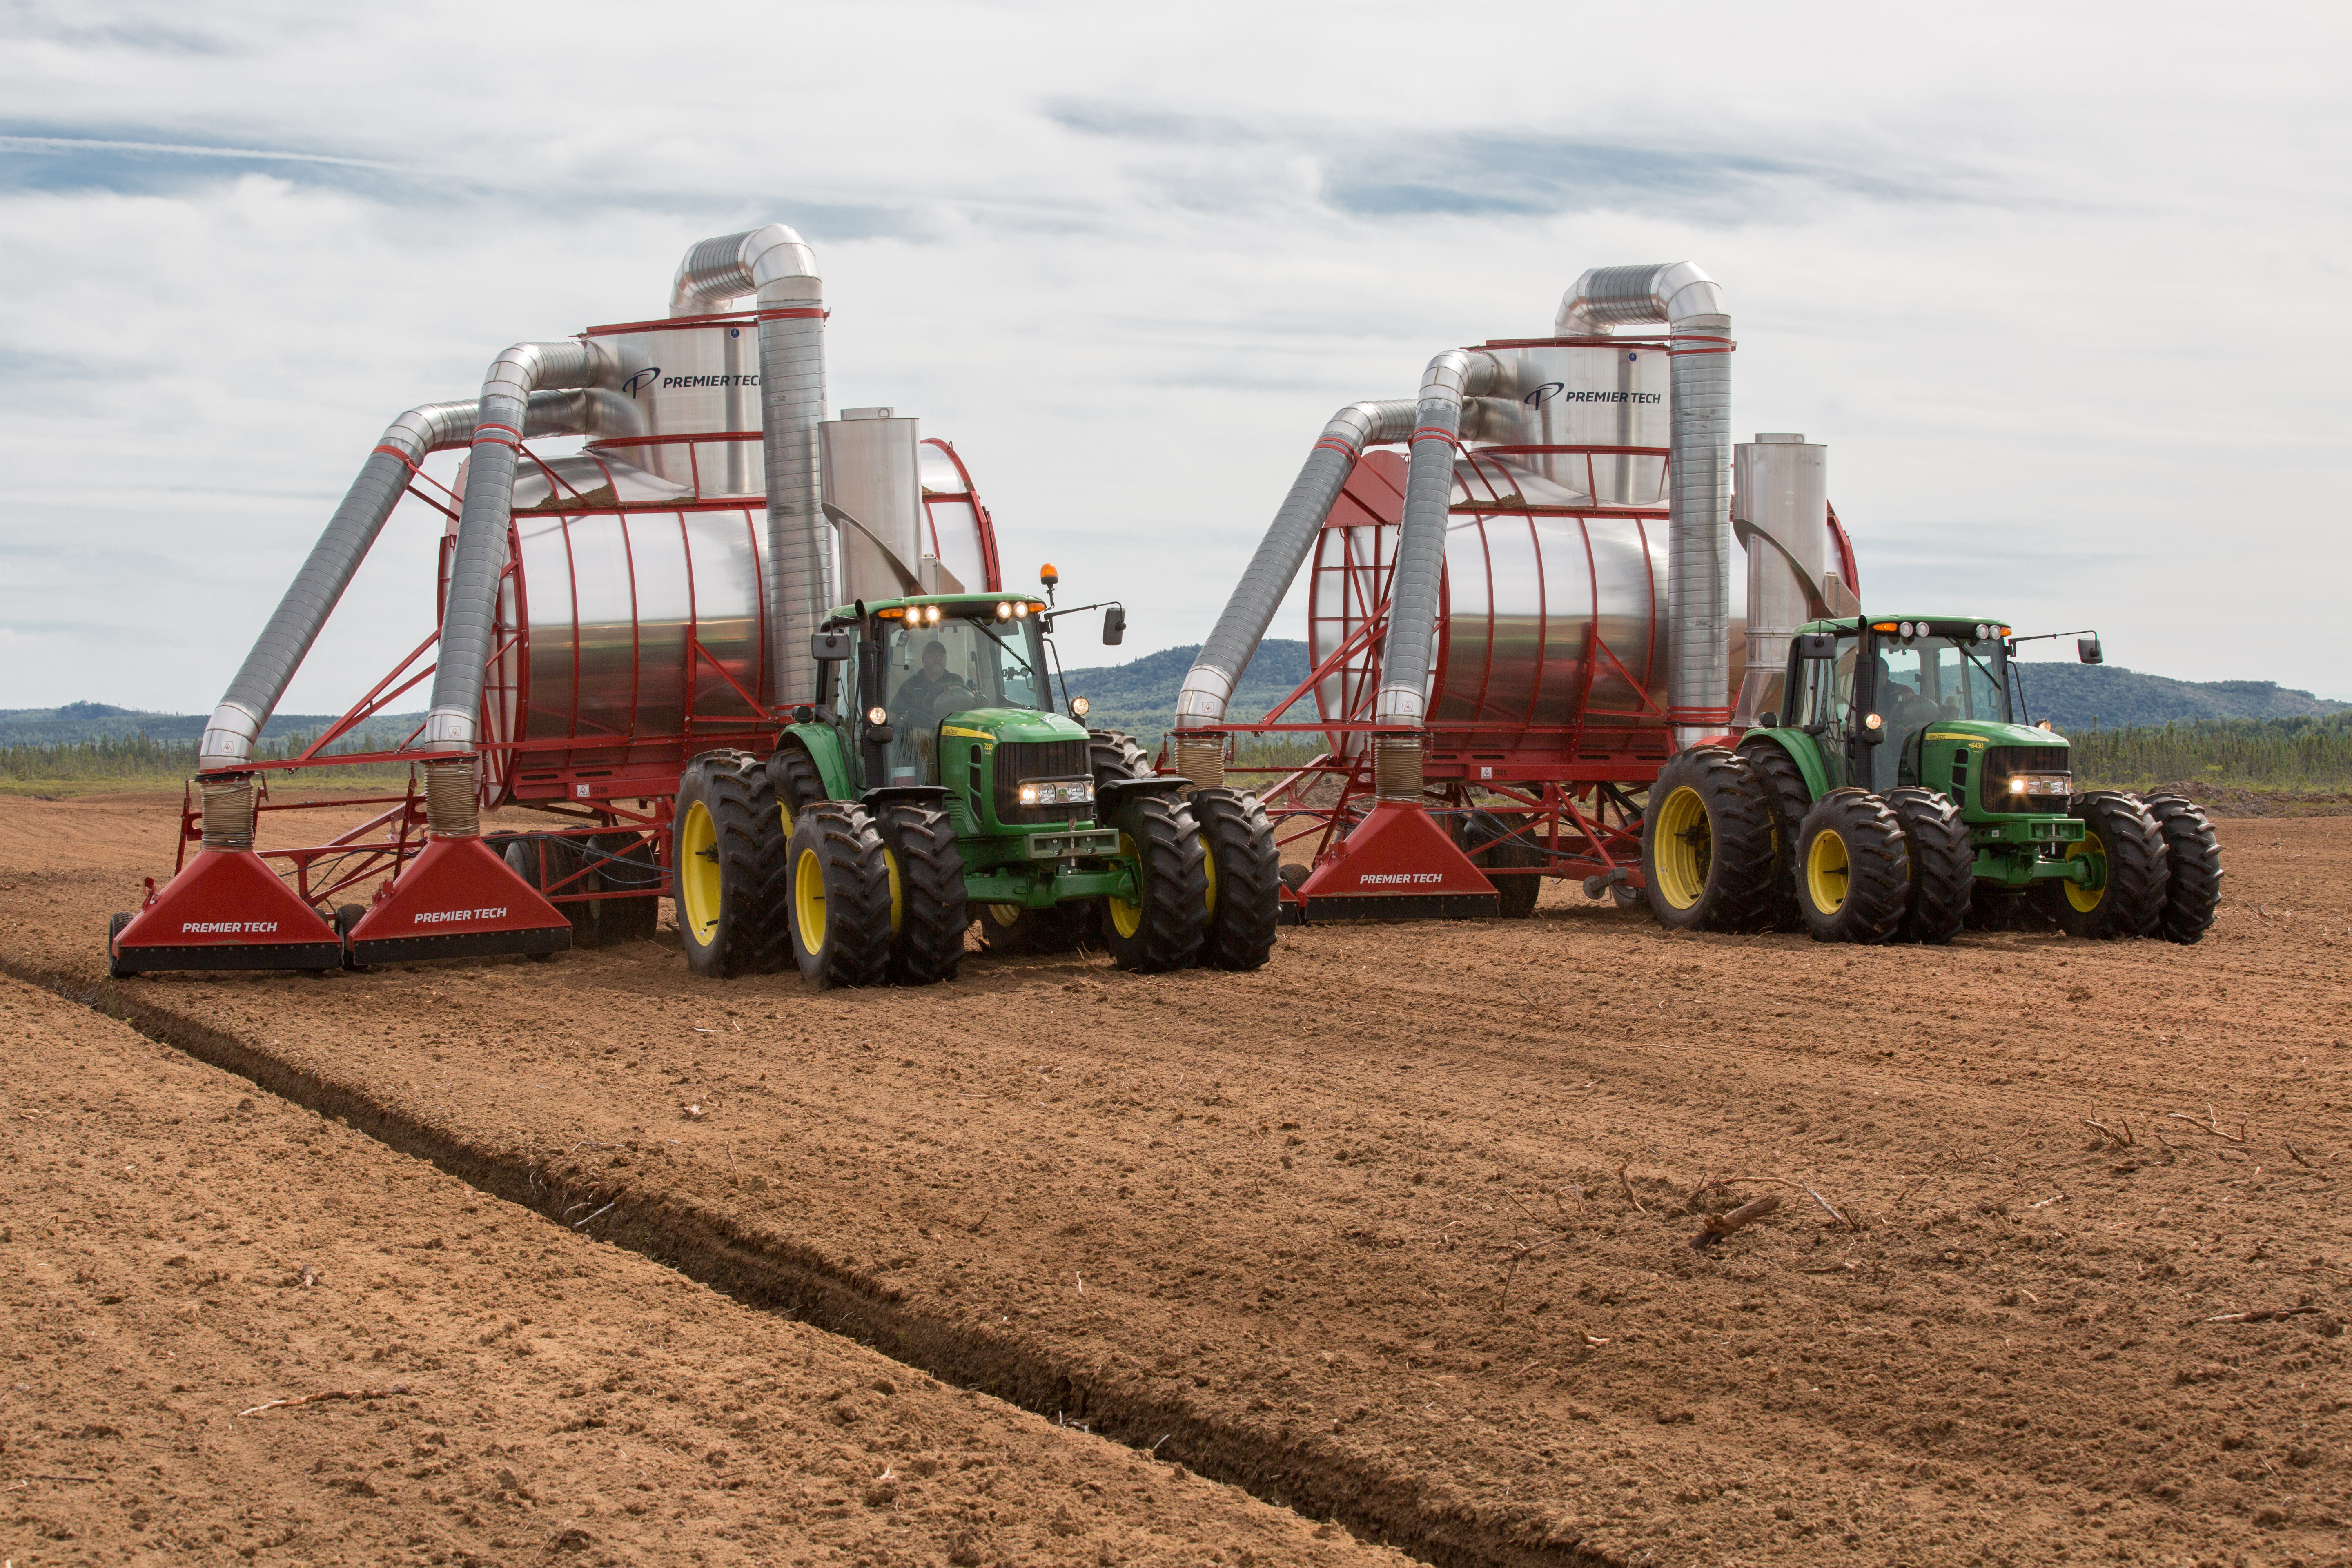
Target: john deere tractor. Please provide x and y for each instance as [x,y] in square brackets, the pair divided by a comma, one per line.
[932,783]
[1895,796]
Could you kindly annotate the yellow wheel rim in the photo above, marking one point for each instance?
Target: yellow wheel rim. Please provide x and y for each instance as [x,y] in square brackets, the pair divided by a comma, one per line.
[1006,915]
[2085,900]
[784,815]
[1684,848]
[1209,864]
[1828,872]
[808,900]
[1125,918]
[698,875]
[897,890]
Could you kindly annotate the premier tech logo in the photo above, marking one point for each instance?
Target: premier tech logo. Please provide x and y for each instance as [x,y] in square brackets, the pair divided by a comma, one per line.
[1551,391]
[652,377]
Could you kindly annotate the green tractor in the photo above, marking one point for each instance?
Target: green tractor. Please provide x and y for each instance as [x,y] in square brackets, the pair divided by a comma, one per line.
[931,784]
[1897,797]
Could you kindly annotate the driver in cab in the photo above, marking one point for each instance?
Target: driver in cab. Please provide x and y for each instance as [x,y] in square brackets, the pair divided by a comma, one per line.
[927,696]
[1906,712]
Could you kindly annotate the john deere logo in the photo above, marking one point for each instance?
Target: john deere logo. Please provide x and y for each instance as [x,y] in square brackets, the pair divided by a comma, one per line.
[644,378]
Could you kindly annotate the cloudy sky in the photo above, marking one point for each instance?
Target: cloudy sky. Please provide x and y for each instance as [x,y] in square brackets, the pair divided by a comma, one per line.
[2063,287]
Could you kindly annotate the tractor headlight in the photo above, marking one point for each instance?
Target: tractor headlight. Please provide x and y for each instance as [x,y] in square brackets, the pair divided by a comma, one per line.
[1078,706]
[1055,792]
[2017,784]
[1003,611]
[1872,723]
[1020,610]
[877,715]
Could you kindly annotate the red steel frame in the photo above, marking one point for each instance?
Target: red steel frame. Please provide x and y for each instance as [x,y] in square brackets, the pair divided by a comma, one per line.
[1571,784]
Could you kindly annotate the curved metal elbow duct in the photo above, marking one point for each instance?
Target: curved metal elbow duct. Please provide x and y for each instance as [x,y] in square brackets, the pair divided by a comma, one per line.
[1452,377]
[228,739]
[1209,684]
[468,618]
[1698,516]
[774,263]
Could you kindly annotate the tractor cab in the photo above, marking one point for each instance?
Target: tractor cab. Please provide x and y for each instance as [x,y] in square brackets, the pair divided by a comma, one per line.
[1887,701]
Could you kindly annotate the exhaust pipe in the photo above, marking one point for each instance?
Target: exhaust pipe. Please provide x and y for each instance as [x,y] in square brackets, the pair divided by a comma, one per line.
[775,265]
[1218,667]
[1698,516]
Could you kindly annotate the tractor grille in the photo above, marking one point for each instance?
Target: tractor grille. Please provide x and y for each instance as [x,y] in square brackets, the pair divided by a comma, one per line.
[1018,760]
[2000,762]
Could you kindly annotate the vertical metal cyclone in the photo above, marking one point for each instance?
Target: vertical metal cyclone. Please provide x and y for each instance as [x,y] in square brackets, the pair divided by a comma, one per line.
[1698,550]
[1209,684]
[349,534]
[775,265]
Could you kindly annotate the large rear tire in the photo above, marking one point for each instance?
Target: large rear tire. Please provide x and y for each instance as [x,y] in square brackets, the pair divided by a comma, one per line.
[1243,872]
[2192,885]
[840,896]
[928,917]
[1783,784]
[1163,929]
[553,866]
[797,782]
[1854,869]
[1943,864]
[2131,900]
[623,861]
[733,916]
[1706,844]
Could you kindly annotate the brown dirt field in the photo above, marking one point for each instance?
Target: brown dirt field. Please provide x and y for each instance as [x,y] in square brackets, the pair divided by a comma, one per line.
[181,1248]
[1350,1230]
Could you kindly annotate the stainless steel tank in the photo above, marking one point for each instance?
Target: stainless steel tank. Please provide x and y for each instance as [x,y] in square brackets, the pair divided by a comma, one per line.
[630,626]
[872,474]
[1779,510]
[1552,611]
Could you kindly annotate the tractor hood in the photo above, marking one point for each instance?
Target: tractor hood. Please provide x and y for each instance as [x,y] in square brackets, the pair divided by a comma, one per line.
[1022,724]
[1987,732]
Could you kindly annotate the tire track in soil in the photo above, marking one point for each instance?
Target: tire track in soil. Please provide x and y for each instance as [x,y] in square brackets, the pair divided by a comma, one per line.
[802,1284]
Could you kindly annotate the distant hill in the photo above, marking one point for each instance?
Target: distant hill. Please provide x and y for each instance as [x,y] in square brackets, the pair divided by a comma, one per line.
[79,721]
[1140,697]
[2077,696]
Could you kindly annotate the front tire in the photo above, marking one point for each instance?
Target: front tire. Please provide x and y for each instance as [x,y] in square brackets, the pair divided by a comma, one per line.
[1163,929]
[927,916]
[728,849]
[2131,901]
[840,896]
[1854,868]
[2192,885]
[1244,873]
[1706,844]
[1943,864]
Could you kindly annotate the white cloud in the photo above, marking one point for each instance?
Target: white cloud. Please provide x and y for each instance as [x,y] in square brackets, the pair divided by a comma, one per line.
[2061,287]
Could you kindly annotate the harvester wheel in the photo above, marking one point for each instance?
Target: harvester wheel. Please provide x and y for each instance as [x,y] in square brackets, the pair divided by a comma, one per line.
[1112,755]
[624,860]
[840,896]
[797,782]
[1707,843]
[1162,930]
[1243,870]
[926,908]
[2131,900]
[2192,886]
[1783,784]
[733,904]
[1943,864]
[1855,869]
[1507,838]
[115,968]
[548,862]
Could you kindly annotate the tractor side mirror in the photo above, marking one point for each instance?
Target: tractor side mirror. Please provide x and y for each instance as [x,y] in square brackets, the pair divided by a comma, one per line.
[1114,626]
[1816,645]
[2087,650]
[831,648]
